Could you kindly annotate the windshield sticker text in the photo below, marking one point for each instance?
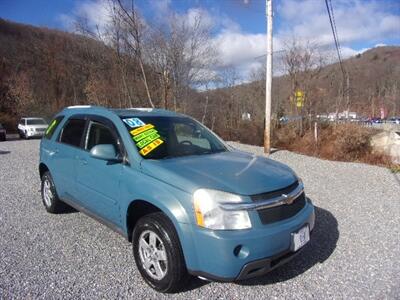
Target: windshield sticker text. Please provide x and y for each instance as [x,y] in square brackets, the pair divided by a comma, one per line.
[150,147]
[134,122]
[143,135]
[146,138]
[141,129]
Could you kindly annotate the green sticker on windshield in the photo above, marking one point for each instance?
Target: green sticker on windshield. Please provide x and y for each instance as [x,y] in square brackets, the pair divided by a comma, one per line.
[51,126]
[143,135]
[148,140]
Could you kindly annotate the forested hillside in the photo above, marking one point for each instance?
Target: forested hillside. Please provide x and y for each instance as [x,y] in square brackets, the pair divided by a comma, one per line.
[43,70]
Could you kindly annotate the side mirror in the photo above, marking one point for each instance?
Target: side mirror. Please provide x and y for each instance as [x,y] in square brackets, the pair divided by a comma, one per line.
[105,152]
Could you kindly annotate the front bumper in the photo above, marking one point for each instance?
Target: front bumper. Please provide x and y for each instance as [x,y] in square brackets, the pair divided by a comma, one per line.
[34,134]
[238,255]
[253,269]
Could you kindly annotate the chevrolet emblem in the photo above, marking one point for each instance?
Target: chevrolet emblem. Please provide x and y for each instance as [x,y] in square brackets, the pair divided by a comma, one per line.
[287,200]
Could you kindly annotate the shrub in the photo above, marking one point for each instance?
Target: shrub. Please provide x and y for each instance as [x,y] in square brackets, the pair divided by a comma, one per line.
[251,133]
[351,142]
[285,136]
[8,121]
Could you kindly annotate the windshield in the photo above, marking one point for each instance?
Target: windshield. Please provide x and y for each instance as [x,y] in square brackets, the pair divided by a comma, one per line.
[35,122]
[1,126]
[167,137]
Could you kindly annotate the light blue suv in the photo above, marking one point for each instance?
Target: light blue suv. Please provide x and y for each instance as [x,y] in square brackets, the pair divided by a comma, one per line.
[189,203]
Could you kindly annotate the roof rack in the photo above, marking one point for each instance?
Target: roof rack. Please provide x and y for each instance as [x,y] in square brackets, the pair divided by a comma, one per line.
[79,106]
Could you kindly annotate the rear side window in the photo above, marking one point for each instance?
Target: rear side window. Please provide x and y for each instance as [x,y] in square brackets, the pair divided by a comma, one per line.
[52,127]
[72,132]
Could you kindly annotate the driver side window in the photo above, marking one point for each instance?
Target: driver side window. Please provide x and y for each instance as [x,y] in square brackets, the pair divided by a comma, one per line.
[191,135]
[100,134]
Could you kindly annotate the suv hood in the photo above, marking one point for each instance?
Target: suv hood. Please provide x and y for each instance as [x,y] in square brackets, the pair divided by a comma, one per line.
[233,171]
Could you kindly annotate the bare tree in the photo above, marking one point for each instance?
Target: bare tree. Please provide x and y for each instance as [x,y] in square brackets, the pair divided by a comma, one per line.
[135,27]
[183,56]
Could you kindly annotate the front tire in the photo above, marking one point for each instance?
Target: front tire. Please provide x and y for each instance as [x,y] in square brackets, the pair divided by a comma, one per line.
[50,199]
[158,253]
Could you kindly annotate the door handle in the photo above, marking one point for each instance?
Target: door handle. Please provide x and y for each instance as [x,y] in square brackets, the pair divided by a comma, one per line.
[84,162]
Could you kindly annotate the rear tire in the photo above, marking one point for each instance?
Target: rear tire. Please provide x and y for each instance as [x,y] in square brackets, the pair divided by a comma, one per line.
[161,262]
[50,199]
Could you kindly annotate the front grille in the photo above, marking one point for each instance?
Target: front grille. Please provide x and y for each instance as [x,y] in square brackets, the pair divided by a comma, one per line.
[276,193]
[40,129]
[282,212]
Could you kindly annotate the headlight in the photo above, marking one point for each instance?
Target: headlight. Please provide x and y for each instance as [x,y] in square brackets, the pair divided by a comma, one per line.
[209,213]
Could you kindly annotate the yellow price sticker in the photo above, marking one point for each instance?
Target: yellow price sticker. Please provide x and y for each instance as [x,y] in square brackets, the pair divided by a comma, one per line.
[150,147]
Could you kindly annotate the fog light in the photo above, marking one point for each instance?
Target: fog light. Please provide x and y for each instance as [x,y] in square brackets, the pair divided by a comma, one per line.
[241,251]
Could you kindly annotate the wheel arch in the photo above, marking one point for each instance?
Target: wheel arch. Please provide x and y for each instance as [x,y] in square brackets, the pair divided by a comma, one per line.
[42,169]
[138,208]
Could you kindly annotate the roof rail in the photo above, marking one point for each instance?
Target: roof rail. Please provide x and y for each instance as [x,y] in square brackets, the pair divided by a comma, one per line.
[79,106]
[142,108]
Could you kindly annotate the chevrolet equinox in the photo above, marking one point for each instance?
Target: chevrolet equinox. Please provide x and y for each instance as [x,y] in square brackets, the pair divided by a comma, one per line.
[189,203]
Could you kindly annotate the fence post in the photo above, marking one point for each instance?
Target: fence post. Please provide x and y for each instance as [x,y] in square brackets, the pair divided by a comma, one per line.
[316,132]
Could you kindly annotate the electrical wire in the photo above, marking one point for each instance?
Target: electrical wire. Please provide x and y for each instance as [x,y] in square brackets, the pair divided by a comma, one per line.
[329,9]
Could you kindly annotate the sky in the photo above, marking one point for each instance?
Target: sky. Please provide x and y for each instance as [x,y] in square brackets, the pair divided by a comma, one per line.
[239,25]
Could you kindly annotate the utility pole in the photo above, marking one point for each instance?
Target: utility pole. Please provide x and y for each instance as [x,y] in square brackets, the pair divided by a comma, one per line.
[268,79]
[347,94]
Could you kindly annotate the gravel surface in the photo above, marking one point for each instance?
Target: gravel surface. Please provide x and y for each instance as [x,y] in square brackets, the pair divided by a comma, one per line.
[354,252]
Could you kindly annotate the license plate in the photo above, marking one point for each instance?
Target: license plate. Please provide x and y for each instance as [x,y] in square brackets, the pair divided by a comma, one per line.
[300,238]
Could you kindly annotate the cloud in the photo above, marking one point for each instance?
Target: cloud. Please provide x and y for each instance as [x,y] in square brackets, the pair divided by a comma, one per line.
[234,47]
[355,20]
[95,12]
[307,20]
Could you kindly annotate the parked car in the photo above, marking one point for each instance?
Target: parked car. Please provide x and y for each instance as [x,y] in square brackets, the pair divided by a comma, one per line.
[376,120]
[31,127]
[395,120]
[3,133]
[188,202]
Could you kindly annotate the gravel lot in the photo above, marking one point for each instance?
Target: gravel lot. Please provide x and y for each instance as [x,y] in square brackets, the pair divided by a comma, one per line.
[354,252]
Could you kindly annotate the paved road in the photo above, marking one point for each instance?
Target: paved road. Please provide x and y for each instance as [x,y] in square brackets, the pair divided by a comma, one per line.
[354,252]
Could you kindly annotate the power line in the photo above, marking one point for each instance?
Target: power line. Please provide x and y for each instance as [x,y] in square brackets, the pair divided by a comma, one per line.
[329,9]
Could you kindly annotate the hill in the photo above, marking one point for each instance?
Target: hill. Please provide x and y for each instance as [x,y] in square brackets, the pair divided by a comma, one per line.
[43,70]
[374,82]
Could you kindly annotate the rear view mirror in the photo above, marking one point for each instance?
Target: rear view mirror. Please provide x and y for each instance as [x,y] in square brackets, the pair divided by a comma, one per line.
[105,152]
